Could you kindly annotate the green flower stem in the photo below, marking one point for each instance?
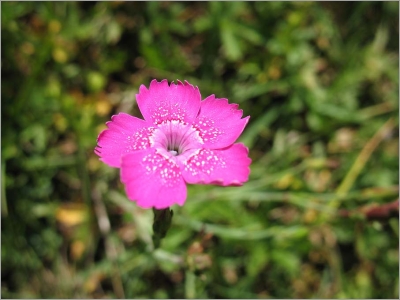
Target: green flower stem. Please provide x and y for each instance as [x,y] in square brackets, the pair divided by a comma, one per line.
[190,284]
[161,224]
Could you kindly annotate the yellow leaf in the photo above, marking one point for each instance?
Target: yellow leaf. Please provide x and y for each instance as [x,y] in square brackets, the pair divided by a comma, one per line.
[71,214]
[77,249]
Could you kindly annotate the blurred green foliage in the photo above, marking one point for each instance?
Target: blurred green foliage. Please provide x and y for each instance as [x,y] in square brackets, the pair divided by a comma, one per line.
[320,82]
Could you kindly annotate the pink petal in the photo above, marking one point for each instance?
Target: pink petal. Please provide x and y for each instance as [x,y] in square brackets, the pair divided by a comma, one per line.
[162,102]
[229,166]
[125,134]
[219,122]
[152,180]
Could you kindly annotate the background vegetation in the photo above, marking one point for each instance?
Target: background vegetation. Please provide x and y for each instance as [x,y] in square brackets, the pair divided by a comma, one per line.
[318,217]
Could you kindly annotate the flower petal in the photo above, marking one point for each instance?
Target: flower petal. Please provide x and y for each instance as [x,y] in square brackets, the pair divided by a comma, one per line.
[125,134]
[219,122]
[152,180]
[229,166]
[162,102]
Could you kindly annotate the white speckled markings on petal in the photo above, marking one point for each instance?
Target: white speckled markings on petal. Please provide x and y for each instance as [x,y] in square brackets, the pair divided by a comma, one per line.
[152,180]
[163,102]
[166,170]
[125,134]
[139,140]
[229,166]
[208,130]
[219,122]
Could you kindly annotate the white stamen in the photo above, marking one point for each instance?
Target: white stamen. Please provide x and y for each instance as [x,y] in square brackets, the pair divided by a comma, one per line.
[173,152]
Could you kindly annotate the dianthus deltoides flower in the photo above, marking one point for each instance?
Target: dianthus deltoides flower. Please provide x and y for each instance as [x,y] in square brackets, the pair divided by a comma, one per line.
[182,139]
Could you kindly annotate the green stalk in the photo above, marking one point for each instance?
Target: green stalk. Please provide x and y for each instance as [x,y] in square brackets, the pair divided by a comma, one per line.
[190,285]
[162,222]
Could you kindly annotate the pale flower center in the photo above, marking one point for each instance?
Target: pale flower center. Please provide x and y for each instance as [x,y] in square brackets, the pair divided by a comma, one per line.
[175,138]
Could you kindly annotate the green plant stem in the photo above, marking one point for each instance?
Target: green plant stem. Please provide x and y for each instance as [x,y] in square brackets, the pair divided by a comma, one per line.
[4,209]
[161,224]
[190,284]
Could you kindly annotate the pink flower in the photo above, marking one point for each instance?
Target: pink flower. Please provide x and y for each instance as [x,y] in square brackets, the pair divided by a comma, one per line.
[181,140]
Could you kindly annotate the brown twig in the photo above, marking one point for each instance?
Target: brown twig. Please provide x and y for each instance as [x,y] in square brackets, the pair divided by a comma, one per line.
[374,211]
